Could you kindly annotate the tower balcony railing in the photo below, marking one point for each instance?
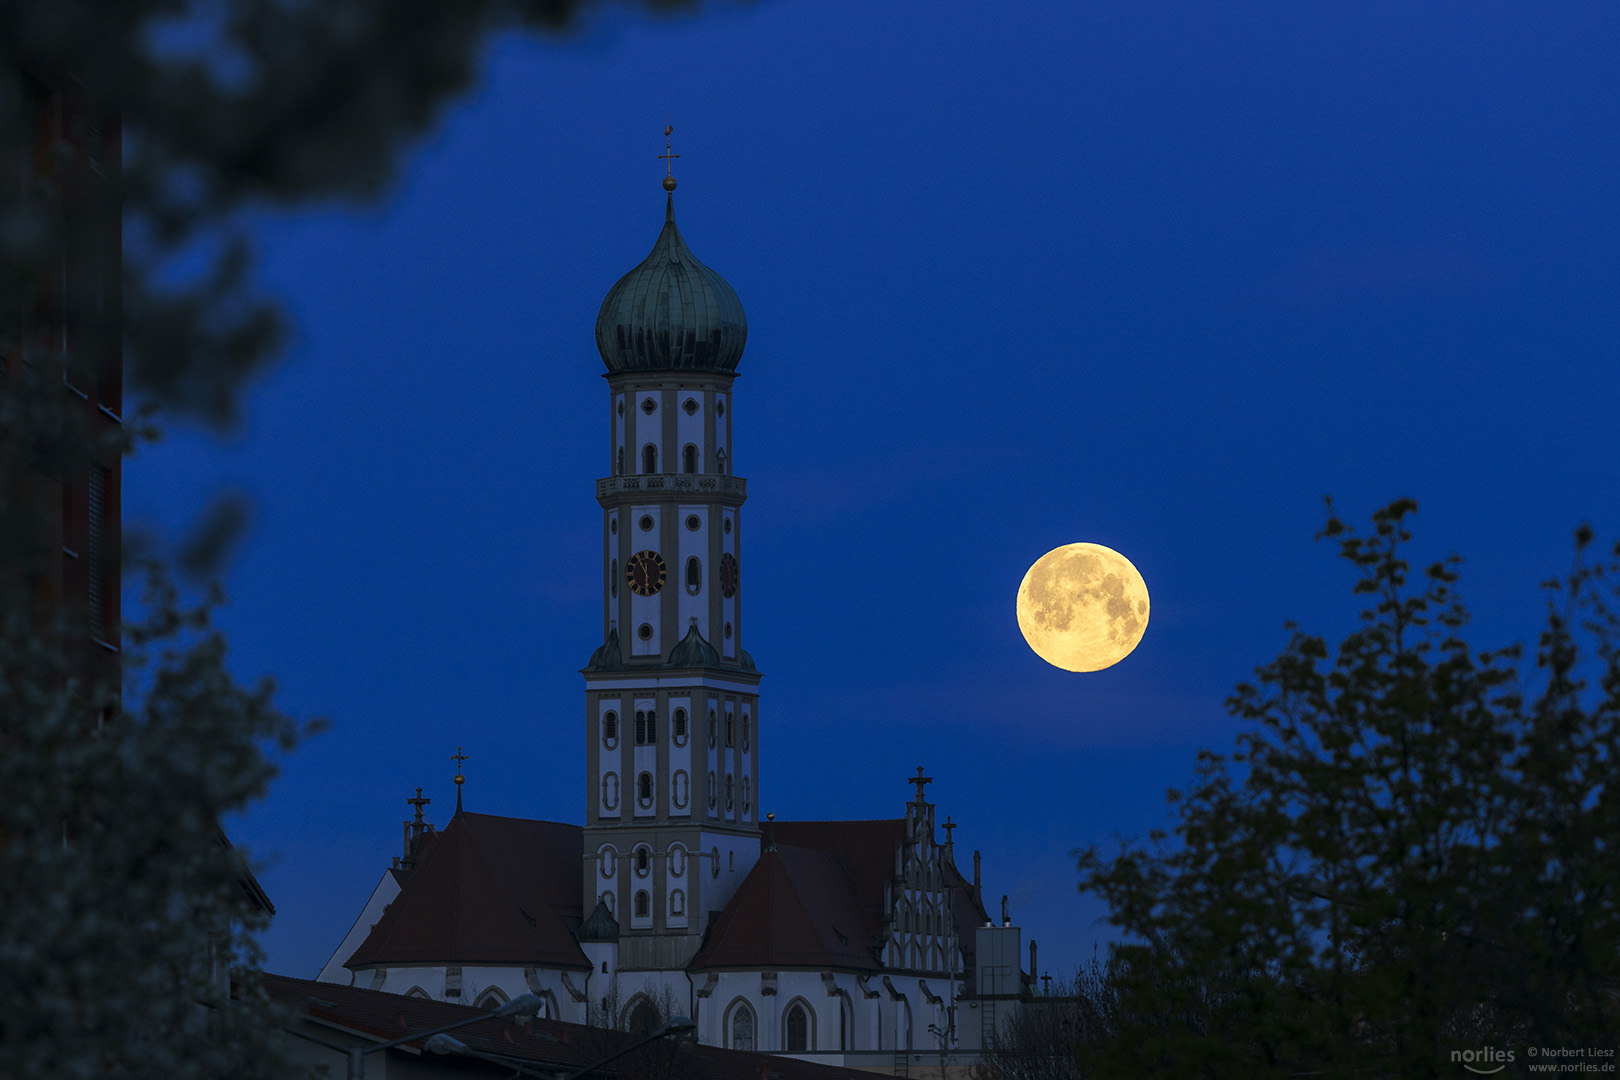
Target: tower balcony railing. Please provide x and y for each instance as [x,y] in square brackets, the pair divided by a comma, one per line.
[701,484]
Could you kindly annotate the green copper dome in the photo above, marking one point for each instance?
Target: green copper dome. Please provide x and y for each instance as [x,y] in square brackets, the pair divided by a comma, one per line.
[671,313]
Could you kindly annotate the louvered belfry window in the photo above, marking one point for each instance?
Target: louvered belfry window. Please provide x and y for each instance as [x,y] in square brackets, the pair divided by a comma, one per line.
[97,550]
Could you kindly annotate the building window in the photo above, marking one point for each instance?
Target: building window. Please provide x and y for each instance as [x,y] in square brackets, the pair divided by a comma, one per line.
[610,729]
[618,463]
[730,792]
[746,726]
[646,727]
[689,459]
[610,791]
[610,900]
[644,793]
[649,458]
[643,861]
[720,461]
[728,525]
[720,406]
[747,788]
[714,862]
[798,1030]
[694,575]
[644,631]
[691,406]
[677,860]
[643,1018]
[649,406]
[728,631]
[711,729]
[613,579]
[693,522]
[680,789]
[677,903]
[731,730]
[680,727]
[607,860]
[742,1028]
[643,904]
[711,789]
[490,999]
[646,523]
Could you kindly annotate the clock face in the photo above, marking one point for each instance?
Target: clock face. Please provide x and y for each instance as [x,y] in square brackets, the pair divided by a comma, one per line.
[728,575]
[645,572]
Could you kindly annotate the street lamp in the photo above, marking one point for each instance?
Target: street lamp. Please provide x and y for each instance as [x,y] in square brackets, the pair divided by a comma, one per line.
[523,1004]
[445,1044]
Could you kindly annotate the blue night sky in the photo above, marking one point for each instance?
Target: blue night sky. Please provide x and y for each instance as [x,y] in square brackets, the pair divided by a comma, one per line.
[1155,275]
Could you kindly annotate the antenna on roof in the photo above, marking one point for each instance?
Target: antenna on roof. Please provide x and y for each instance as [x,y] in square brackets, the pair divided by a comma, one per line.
[770,832]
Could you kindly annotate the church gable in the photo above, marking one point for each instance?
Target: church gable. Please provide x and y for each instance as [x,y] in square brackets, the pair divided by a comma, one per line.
[492,890]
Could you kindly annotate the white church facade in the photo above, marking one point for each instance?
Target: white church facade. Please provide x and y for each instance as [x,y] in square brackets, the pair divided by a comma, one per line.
[851,942]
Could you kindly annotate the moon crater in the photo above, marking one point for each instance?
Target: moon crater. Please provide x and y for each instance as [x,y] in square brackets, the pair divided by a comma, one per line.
[1082,607]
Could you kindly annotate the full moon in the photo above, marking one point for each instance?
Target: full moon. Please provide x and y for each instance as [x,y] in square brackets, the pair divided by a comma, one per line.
[1082,607]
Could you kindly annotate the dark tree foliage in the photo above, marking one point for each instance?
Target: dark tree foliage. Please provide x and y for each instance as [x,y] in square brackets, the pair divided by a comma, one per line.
[1409,854]
[126,918]
[1056,1035]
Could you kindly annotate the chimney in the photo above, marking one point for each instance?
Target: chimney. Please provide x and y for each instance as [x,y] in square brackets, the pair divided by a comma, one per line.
[1006,919]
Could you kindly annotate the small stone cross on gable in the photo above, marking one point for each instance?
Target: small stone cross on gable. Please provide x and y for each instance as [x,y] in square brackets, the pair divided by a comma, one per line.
[920,780]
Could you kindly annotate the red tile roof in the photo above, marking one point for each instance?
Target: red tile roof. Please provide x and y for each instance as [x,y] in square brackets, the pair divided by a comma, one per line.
[547,1042]
[867,850]
[796,908]
[491,890]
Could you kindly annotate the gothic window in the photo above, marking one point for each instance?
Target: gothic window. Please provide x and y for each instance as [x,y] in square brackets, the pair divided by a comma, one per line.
[689,461]
[643,861]
[644,790]
[643,904]
[610,729]
[742,1027]
[643,1018]
[490,999]
[610,791]
[694,575]
[677,903]
[680,727]
[649,458]
[798,1030]
[417,992]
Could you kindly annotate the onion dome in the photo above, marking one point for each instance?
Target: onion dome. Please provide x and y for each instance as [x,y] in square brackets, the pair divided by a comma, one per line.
[671,313]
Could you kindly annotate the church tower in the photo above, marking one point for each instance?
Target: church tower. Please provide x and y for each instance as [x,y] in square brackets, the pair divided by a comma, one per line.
[671,696]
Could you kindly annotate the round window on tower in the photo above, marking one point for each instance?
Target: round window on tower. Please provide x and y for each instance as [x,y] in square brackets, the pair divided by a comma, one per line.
[649,406]
[613,526]
[693,522]
[720,406]
[728,631]
[728,526]
[644,632]
[646,523]
[691,406]
[621,406]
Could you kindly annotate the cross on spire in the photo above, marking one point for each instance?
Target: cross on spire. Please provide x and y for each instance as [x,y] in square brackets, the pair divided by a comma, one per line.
[948,826]
[419,802]
[920,780]
[668,158]
[458,757]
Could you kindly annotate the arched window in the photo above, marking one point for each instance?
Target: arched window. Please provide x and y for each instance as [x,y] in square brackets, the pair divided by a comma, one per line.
[677,903]
[677,860]
[730,793]
[711,729]
[649,458]
[643,861]
[644,793]
[742,1027]
[643,1018]
[680,789]
[797,1029]
[610,791]
[643,904]
[711,789]
[490,999]
[680,725]
[746,727]
[417,992]
[731,730]
[641,727]
[694,575]
[607,860]
[689,459]
[747,791]
[612,902]
[720,461]
[610,728]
